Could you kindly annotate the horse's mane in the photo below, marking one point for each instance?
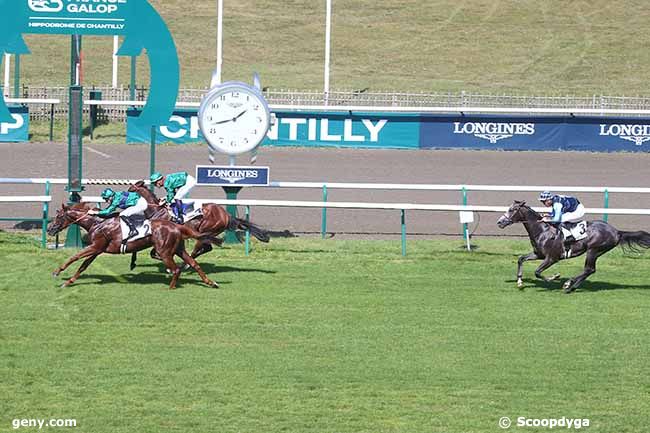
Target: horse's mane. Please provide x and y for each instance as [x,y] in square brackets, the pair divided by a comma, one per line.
[530,209]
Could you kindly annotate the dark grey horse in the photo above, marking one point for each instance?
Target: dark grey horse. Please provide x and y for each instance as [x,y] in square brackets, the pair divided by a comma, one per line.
[548,243]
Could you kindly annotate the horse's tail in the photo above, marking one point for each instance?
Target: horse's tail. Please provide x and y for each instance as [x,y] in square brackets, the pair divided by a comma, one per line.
[634,240]
[188,232]
[258,232]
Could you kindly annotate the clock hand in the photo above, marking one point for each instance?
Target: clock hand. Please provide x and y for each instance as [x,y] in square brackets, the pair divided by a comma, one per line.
[222,121]
[239,115]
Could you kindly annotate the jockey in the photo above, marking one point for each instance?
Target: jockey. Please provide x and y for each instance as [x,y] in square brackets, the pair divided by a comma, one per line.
[565,210]
[131,203]
[178,186]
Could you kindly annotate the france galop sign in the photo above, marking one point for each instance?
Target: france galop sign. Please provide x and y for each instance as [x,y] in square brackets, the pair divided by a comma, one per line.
[136,20]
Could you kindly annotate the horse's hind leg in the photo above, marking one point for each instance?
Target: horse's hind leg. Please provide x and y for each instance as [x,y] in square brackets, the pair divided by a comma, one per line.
[169,262]
[590,268]
[520,266]
[189,260]
[200,248]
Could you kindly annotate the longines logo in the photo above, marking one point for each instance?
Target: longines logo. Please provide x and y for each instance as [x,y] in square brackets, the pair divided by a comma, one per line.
[232,175]
[637,134]
[493,131]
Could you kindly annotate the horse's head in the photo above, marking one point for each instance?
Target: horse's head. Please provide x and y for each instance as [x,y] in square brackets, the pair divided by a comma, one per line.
[517,213]
[141,189]
[66,216]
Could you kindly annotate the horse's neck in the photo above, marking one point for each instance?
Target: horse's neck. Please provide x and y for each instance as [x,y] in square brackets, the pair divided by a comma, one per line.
[534,226]
[89,222]
[149,196]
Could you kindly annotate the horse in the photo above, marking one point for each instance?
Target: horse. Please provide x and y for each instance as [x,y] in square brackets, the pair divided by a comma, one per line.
[548,243]
[106,237]
[214,220]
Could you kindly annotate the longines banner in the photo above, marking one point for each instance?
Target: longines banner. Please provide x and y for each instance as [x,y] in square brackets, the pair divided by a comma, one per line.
[412,131]
[18,129]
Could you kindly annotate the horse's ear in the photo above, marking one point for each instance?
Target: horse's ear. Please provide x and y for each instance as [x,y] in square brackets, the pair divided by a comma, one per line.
[132,188]
[518,202]
[523,202]
[62,205]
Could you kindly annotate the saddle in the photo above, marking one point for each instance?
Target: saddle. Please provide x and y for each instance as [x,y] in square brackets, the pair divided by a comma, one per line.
[188,211]
[576,230]
[142,225]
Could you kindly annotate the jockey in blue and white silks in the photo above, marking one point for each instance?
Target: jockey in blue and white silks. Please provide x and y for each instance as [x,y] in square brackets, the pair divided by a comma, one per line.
[565,210]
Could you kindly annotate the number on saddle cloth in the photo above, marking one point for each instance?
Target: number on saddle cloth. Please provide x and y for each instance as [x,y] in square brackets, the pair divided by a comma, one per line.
[577,230]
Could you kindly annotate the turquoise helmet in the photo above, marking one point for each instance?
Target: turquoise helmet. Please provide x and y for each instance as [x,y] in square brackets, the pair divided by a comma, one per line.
[156,177]
[107,193]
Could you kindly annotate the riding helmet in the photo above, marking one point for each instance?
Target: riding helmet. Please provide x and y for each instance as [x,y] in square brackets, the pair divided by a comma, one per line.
[546,195]
[107,193]
[156,177]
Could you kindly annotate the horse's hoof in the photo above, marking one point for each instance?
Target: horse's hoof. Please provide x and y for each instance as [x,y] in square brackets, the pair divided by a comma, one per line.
[132,267]
[213,284]
[66,284]
[568,286]
[520,284]
[554,277]
[186,267]
[55,274]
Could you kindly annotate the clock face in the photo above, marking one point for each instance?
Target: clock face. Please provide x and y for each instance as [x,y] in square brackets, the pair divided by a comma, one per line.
[234,118]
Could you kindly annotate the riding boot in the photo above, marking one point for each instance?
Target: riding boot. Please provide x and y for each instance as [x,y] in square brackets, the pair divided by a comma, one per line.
[178,209]
[132,230]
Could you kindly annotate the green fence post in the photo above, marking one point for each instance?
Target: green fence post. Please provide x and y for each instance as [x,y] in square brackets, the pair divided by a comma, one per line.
[248,232]
[605,216]
[46,211]
[51,122]
[323,225]
[403,221]
[17,76]
[465,226]
[152,156]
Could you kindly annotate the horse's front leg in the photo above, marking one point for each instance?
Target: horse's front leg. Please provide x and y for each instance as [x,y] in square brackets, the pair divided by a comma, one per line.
[520,266]
[82,268]
[547,263]
[88,251]
[134,257]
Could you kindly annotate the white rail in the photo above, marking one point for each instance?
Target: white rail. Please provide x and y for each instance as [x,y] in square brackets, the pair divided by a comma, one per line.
[26,199]
[385,186]
[384,206]
[389,108]
[32,101]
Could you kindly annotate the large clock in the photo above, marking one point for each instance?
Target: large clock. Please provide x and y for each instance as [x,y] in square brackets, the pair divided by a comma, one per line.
[234,117]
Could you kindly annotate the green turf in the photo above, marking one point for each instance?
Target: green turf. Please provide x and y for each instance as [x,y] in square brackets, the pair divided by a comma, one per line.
[550,47]
[323,336]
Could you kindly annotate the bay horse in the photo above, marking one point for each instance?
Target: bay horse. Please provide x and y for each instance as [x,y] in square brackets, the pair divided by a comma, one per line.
[548,243]
[214,221]
[106,237]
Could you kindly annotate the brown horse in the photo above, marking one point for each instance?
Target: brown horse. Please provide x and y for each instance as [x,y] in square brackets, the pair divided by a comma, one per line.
[214,220]
[106,237]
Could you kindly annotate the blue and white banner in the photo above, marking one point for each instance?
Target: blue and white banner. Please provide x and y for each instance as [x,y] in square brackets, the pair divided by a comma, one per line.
[232,175]
[592,134]
[18,130]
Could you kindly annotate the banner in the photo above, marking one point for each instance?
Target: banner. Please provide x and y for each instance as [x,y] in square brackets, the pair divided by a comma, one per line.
[426,131]
[380,130]
[18,130]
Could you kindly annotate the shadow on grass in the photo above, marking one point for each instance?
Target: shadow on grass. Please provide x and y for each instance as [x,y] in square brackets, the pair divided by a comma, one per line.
[586,286]
[160,276]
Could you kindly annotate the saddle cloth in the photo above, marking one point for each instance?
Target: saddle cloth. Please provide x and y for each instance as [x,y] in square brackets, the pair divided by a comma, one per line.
[142,225]
[578,231]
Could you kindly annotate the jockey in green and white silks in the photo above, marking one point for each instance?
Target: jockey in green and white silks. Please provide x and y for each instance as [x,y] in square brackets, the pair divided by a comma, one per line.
[178,186]
[131,203]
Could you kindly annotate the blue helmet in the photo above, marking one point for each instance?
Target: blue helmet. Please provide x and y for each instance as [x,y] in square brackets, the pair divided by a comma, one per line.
[546,195]
[107,193]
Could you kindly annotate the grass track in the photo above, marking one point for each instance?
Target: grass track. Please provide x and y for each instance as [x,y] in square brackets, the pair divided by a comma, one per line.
[323,336]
